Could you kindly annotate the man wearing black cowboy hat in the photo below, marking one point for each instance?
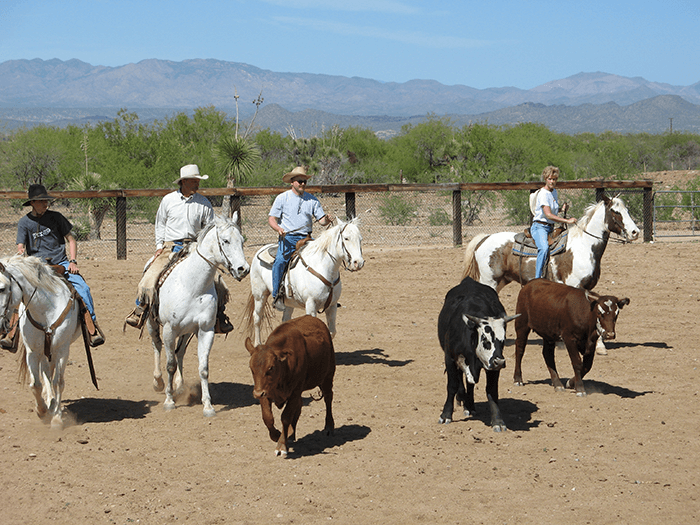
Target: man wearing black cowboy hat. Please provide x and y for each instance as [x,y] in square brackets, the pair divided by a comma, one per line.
[43,233]
[291,216]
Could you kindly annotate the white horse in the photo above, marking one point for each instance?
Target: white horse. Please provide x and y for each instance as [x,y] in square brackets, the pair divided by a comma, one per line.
[313,279]
[49,323]
[490,260]
[188,303]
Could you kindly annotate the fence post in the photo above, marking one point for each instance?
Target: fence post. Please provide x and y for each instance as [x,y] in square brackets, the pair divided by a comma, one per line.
[457,217]
[350,205]
[236,207]
[648,215]
[121,228]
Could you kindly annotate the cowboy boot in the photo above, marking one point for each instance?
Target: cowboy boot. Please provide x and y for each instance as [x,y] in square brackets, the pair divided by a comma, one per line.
[11,340]
[95,335]
[138,316]
[223,324]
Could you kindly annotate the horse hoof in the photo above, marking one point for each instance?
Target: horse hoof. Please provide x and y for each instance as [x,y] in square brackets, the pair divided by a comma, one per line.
[56,423]
[501,427]
[581,394]
[158,384]
[169,405]
[281,453]
[209,412]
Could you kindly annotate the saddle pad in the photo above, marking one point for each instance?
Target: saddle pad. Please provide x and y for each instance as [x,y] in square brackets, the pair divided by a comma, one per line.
[526,247]
[267,255]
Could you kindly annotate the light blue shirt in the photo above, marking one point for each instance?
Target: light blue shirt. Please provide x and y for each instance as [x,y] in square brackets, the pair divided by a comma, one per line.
[296,213]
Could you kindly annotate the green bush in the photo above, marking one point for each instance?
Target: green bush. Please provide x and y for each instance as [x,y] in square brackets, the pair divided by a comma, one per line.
[397,211]
[439,217]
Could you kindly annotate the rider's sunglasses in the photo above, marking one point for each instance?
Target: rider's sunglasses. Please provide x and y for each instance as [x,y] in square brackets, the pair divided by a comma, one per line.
[300,181]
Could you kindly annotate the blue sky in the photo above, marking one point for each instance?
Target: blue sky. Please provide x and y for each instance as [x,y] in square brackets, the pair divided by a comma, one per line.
[482,44]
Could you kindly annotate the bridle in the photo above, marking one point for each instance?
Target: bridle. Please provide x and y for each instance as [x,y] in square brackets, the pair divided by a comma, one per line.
[615,217]
[229,265]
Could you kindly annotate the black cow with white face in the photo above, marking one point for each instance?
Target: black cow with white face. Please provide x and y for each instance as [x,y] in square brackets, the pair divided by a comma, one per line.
[472,332]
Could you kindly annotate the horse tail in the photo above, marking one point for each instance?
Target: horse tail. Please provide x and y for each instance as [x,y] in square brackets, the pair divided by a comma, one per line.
[23,372]
[247,319]
[471,266]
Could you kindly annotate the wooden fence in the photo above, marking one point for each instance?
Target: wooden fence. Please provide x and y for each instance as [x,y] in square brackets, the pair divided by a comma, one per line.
[350,191]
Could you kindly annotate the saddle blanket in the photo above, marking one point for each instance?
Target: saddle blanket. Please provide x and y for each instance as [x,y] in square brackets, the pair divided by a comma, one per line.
[526,247]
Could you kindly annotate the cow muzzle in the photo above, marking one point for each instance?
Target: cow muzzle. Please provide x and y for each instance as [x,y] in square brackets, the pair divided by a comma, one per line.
[258,394]
[497,363]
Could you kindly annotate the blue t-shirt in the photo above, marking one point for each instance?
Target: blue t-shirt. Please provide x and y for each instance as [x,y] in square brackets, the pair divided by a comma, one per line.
[296,212]
[45,236]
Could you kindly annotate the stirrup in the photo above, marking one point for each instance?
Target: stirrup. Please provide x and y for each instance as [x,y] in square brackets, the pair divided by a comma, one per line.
[97,338]
[11,341]
[137,317]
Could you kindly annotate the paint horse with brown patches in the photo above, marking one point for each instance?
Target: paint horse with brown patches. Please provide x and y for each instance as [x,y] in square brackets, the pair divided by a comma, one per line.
[489,259]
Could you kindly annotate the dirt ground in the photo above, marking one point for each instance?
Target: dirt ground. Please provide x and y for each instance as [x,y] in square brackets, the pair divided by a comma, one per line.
[627,453]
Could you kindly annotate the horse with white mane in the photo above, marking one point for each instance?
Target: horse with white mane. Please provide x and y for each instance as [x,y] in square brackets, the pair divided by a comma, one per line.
[312,281]
[48,321]
[188,303]
[490,260]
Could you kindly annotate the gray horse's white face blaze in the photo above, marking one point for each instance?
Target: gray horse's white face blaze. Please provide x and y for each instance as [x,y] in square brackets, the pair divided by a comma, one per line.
[490,339]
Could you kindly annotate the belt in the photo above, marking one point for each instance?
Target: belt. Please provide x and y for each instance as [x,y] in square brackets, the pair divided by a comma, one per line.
[542,222]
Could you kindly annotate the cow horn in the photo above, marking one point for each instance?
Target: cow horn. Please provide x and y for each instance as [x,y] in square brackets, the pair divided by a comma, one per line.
[507,319]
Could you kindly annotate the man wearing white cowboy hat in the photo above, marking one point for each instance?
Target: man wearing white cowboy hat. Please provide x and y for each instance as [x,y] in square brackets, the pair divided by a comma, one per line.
[180,217]
[291,216]
[44,233]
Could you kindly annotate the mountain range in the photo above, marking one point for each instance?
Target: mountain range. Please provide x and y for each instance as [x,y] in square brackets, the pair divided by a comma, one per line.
[59,92]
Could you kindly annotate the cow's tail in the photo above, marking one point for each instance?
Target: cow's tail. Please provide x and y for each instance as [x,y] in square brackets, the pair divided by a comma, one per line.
[471,265]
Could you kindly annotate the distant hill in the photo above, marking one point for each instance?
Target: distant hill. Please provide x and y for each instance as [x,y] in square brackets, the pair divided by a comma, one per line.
[73,92]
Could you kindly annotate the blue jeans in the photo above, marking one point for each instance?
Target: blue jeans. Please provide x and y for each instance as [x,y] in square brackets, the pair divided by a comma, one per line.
[285,248]
[81,287]
[540,233]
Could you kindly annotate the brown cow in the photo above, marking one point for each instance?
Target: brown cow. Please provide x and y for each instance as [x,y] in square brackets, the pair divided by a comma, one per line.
[297,356]
[556,311]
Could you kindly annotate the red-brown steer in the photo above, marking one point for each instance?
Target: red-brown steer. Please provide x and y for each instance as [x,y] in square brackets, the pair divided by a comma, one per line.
[557,311]
[297,356]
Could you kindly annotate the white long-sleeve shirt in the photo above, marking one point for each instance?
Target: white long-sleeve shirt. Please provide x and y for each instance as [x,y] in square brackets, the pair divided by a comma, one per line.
[181,217]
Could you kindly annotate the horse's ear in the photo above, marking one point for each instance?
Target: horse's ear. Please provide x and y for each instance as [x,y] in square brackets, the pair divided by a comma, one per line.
[2,267]
[234,218]
[607,200]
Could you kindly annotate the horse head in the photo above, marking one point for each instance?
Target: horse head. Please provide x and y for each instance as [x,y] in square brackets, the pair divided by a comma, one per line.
[230,243]
[618,219]
[350,240]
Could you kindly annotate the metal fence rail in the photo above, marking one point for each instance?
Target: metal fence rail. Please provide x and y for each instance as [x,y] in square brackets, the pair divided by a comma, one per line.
[676,213]
[390,215]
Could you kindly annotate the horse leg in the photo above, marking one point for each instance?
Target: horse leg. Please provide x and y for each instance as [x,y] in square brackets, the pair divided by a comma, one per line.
[61,358]
[157,344]
[37,381]
[331,314]
[179,381]
[171,366]
[205,340]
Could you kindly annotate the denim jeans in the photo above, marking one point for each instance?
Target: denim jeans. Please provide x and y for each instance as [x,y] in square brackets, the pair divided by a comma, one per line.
[285,248]
[540,233]
[81,287]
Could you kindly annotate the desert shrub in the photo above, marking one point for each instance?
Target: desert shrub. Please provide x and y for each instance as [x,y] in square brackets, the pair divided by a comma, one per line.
[396,210]
[439,217]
